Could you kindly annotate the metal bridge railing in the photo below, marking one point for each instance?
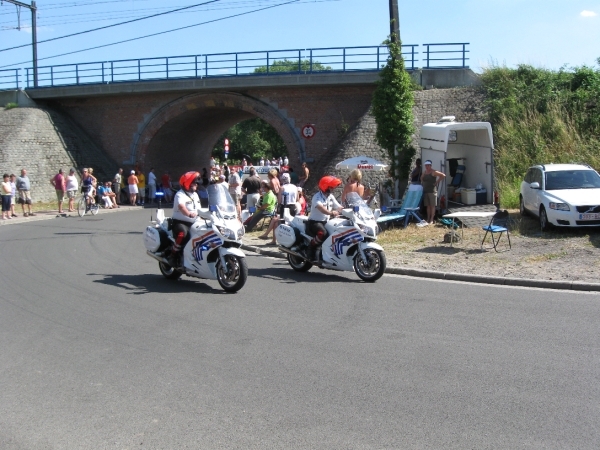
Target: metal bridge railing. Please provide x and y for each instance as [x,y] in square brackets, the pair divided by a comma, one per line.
[457,56]
[9,79]
[259,63]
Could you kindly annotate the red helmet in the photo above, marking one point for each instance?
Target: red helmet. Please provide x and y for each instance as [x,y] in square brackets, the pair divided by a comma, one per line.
[187,179]
[329,182]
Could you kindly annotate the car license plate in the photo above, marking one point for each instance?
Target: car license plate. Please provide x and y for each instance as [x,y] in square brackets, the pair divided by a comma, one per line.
[590,216]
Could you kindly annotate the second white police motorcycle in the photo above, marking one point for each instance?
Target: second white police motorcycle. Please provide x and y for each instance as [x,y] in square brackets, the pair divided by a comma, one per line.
[350,245]
[213,249]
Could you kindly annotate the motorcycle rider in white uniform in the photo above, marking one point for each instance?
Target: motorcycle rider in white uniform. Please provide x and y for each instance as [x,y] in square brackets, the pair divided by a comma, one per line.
[324,206]
[185,209]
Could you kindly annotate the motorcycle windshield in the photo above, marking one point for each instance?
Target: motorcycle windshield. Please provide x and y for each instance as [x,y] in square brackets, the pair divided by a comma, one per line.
[219,196]
[353,199]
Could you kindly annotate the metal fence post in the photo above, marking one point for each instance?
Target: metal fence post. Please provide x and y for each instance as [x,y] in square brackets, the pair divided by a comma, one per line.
[311,60]
[299,61]
[464,56]
[344,60]
[139,70]
[76,73]
[112,72]
[167,68]
[206,65]
[236,63]
[52,76]
[267,63]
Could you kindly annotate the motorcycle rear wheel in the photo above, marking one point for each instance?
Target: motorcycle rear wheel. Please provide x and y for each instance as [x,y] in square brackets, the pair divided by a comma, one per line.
[298,264]
[234,276]
[373,269]
[170,273]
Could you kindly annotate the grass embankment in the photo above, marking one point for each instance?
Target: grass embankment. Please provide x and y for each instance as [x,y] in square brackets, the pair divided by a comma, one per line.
[541,116]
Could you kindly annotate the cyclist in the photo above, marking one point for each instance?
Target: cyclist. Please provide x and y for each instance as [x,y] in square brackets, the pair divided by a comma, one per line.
[87,185]
[323,206]
[185,209]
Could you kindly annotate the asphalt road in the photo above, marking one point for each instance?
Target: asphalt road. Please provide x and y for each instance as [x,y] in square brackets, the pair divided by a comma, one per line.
[99,351]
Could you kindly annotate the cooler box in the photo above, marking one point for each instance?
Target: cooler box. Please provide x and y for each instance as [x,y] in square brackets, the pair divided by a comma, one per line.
[468,196]
[481,196]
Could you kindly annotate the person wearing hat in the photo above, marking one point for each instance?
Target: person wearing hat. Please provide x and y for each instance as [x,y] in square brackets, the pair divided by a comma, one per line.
[133,181]
[72,186]
[58,181]
[430,179]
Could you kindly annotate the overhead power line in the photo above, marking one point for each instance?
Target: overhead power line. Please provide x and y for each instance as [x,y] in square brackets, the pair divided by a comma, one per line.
[113,25]
[159,33]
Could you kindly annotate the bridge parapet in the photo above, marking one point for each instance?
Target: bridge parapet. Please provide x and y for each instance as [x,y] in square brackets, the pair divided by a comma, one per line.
[241,64]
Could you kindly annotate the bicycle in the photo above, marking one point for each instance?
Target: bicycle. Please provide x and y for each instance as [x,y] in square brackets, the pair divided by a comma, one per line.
[87,204]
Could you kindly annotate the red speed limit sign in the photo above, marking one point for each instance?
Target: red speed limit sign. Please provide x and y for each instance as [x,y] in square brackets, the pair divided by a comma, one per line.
[308,131]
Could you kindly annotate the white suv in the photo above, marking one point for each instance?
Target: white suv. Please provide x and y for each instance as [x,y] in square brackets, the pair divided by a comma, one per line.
[565,195]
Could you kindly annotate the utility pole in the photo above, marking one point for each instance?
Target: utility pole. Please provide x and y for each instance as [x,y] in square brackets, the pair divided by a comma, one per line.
[394,21]
[33,9]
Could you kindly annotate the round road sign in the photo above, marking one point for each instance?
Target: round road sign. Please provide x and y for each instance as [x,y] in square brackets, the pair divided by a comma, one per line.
[308,131]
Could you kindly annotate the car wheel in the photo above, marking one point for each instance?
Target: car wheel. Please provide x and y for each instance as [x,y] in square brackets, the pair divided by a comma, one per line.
[522,209]
[544,224]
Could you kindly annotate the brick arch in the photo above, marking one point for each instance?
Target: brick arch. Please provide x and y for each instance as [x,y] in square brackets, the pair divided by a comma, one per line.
[180,135]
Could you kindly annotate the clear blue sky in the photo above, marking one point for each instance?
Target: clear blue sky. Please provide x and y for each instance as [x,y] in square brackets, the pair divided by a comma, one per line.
[543,33]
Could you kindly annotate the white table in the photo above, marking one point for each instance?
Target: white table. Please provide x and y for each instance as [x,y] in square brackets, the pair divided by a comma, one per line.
[466,214]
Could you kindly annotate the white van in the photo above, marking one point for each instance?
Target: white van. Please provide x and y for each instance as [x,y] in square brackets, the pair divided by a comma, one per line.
[450,145]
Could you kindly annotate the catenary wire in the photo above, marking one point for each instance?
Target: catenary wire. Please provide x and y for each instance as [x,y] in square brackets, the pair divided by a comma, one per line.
[110,26]
[158,34]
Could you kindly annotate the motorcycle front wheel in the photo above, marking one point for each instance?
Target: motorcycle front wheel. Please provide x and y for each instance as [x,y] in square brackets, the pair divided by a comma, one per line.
[373,268]
[298,264]
[169,272]
[233,277]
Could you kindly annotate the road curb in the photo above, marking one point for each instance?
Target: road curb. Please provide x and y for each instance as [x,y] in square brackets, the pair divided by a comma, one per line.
[451,276]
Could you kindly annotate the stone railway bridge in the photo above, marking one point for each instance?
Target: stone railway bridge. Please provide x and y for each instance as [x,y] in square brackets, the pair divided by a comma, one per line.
[174,124]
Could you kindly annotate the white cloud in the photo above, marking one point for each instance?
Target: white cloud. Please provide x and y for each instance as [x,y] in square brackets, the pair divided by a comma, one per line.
[588,14]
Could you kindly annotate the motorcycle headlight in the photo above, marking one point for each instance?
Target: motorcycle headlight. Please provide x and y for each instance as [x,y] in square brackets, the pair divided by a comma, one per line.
[367,230]
[226,232]
[559,206]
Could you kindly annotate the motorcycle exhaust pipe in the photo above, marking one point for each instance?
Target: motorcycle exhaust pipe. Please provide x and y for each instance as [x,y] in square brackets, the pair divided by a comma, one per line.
[158,258]
[291,252]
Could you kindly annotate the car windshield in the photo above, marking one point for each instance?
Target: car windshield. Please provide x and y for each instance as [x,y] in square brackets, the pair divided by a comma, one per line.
[353,199]
[572,179]
[219,196]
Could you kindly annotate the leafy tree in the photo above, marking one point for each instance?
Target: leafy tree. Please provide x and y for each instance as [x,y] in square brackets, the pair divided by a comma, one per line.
[252,137]
[290,65]
[393,110]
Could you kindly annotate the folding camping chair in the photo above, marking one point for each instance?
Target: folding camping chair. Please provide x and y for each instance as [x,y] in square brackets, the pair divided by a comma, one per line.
[457,179]
[409,208]
[498,224]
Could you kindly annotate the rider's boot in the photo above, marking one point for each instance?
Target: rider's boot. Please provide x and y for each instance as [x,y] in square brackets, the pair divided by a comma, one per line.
[173,257]
[312,251]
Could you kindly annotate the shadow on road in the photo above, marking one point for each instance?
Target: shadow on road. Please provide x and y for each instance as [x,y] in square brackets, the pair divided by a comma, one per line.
[154,283]
[283,272]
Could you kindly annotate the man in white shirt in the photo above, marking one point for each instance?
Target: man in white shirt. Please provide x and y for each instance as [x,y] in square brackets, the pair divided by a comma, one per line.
[235,190]
[323,207]
[151,186]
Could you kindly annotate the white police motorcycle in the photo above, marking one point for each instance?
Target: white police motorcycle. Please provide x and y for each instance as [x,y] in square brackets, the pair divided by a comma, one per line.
[213,250]
[350,245]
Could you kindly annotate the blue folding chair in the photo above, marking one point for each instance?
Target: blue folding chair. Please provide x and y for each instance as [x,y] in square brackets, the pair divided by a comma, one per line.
[498,224]
[408,209]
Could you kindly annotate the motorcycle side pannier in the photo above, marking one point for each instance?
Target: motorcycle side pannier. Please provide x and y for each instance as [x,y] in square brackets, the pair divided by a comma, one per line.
[156,239]
[286,235]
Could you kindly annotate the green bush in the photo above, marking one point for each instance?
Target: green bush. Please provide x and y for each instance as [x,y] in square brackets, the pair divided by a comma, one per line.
[541,116]
[10,105]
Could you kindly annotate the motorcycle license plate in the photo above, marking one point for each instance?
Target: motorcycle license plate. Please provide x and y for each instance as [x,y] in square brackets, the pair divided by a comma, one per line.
[589,216]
